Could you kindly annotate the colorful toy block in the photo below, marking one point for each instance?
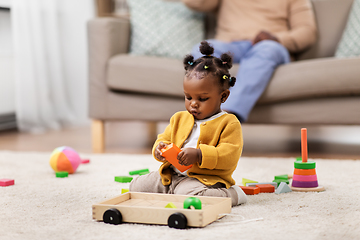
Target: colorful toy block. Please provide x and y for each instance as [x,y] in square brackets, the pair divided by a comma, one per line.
[284,176]
[139,172]
[283,188]
[6,182]
[246,181]
[124,190]
[266,188]
[263,183]
[170,205]
[250,190]
[279,181]
[123,179]
[170,153]
[62,174]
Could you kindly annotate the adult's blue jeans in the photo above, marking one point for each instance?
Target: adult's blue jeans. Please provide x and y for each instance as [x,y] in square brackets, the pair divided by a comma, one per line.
[257,64]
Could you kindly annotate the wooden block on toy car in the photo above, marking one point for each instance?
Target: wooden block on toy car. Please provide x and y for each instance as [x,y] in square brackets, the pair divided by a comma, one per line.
[250,190]
[170,153]
[266,188]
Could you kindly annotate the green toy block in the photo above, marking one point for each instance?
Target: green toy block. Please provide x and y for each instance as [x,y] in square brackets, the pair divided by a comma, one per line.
[284,176]
[245,181]
[299,159]
[62,174]
[139,172]
[279,181]
[123,179]
[170,205]
[124,190]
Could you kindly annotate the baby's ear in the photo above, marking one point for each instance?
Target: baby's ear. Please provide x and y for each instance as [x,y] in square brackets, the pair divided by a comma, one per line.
[224,95]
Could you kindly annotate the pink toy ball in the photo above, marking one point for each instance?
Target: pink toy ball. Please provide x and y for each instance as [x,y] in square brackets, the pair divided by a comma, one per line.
[64,159]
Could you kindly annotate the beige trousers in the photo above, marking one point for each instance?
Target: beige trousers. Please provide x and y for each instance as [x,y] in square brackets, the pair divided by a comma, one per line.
[182,185]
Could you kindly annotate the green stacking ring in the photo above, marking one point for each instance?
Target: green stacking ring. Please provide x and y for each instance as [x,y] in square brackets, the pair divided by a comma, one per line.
[304,165]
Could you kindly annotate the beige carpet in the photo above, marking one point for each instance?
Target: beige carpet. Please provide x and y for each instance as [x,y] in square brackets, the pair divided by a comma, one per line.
[41,206]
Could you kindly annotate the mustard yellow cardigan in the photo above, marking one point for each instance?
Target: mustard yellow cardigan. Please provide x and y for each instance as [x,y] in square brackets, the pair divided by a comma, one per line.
[220,141]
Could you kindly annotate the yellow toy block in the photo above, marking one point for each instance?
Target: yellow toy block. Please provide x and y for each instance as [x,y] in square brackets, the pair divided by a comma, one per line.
[124,190]
[245,181]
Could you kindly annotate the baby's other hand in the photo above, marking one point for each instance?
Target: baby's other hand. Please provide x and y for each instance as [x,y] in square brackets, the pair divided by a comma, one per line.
[158,153]
[189,156]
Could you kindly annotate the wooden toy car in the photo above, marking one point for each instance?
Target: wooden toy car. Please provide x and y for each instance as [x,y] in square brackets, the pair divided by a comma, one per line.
[150,208]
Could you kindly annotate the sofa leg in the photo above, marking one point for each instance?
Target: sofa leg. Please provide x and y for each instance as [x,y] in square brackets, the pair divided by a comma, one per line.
[98,136]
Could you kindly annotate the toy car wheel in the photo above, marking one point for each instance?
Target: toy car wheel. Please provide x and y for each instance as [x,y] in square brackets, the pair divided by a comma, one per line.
[177,220]
[112,216]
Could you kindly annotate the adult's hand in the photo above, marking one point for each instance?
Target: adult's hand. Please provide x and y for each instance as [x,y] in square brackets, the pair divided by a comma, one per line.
[264,35]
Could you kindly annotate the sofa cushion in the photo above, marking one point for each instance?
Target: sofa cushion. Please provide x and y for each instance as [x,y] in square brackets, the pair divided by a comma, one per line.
[314,79]
[164,28]
[349,45]
[154,75]
[297,80]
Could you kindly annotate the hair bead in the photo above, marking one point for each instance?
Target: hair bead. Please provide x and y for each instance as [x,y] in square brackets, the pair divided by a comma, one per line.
[190,63]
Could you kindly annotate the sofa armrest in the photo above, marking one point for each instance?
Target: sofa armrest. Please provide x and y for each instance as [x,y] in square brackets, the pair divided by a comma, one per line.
[106,37]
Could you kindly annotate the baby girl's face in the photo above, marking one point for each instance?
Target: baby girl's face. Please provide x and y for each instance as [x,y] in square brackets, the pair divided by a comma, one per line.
[203,97]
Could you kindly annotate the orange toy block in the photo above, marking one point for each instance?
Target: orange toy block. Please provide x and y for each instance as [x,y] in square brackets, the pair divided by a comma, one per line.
[266,188]
[170,153]
[250,190]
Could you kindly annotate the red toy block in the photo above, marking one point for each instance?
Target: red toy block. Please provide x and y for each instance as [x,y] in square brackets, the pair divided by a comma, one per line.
[266,188]
[250,190]
[170,153]
[6,182]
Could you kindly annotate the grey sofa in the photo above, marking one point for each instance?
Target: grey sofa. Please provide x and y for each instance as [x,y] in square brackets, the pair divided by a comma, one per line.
[315,89]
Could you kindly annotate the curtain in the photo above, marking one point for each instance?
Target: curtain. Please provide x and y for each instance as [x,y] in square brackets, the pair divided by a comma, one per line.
[50,62]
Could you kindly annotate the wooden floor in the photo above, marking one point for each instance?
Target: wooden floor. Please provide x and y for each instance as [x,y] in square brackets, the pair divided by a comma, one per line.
[135,138]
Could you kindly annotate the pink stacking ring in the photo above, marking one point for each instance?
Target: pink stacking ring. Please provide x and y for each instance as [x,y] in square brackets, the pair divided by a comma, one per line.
[305,178]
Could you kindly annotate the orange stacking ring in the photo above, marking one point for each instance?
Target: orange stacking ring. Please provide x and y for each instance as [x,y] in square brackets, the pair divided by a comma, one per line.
[305,171]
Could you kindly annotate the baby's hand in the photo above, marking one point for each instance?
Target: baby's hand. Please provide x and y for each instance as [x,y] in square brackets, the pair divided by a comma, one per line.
[189,156]
[158,153]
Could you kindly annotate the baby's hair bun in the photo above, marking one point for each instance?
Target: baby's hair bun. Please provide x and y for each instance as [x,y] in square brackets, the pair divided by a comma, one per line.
[226,60]
[206,49]
[188,61]
[232,81]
